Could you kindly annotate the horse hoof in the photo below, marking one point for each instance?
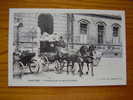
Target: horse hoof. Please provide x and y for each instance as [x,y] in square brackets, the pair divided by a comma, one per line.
[81,74]
[73,72]
[58,72]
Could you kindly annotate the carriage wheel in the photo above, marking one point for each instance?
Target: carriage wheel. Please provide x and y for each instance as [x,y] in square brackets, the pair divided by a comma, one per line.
[45,64]
[58,66]
[18,69]
[34,66]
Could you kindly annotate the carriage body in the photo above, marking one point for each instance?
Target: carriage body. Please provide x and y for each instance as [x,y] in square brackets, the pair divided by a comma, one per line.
[24,60]
[50,52]
[51,49]
[48,49]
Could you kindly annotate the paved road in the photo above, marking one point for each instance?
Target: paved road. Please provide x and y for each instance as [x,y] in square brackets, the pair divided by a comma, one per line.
[107,68]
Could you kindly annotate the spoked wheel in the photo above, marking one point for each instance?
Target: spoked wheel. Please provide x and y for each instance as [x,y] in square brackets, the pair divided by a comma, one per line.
[18,69]
[57,66]
[34,66]
[45,63]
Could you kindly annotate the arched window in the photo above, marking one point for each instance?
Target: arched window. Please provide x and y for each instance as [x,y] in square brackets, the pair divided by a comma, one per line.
[101,32]
[45,22]
[83,25]
[115,33]
[116,29]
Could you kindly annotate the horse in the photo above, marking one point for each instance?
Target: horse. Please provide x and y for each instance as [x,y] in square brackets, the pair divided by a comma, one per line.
[87,57]
[69,59]
[83,55]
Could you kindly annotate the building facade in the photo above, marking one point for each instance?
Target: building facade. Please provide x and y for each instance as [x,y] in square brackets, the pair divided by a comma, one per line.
[104,31]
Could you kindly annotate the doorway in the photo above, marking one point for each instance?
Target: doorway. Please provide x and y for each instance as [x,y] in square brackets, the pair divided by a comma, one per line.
[45,22]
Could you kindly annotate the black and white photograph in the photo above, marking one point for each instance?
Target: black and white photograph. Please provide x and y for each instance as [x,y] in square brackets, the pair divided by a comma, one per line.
[66,47]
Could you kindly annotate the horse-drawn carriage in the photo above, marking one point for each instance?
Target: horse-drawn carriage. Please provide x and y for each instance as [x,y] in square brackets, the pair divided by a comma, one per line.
[50,52]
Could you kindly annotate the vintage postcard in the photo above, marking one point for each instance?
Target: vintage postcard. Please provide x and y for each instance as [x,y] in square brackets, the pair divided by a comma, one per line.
[66,47]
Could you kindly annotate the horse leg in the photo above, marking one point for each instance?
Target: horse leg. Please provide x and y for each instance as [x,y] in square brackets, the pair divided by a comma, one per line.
[72,67]
[88,68]
[60,69]
[82,65]
[92,72]
[80,69]
[62,65]
[68,67]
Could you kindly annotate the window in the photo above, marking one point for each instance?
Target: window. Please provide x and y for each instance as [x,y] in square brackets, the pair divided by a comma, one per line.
[115,31]
[101,31]
[83,28]
[83,25]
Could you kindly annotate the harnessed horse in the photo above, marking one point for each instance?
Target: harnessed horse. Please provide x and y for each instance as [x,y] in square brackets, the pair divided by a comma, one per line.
[83,55]
[87,57]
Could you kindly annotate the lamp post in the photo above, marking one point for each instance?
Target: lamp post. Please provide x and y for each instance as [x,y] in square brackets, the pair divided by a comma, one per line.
[18,27]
